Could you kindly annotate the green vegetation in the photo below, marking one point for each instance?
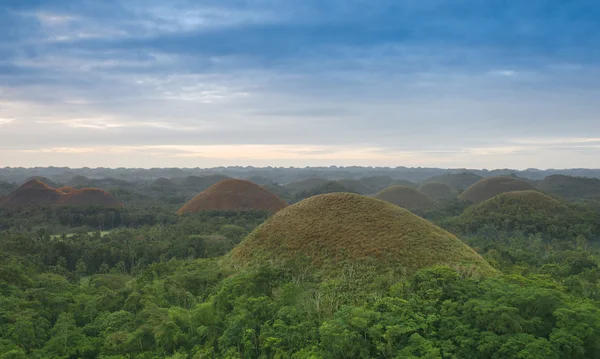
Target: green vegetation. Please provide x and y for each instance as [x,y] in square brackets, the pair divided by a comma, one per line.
[571,188]
[334,276]
[437,191]
[493,186]
[406,197]
[332,230]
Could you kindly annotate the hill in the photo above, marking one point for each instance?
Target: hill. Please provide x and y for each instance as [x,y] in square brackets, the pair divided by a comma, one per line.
[89,197]
[32,193]
[570,187]
[42,179]
[335,229]
[377,183]
[405,197]
[37,193]
[460,181]
[437,191]
[529,211]
[162,183]
[234,195]
[306,184]
[200,183]
[260,180]
[493,186]
[356,186]
[404,182]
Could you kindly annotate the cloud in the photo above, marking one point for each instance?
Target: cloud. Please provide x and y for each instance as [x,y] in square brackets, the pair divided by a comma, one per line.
[399,81]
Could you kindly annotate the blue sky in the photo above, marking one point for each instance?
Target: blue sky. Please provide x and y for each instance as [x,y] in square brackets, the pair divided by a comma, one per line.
[465,83]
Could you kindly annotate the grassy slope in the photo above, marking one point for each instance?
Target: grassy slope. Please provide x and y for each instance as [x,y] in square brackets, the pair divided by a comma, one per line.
[334,229]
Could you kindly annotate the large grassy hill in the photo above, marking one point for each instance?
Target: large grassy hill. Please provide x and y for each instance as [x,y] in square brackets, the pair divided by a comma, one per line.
[333,230]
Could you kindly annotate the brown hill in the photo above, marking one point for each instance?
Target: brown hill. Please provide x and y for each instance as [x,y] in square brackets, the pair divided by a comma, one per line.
[90,197]
[490,187]
[437,191]
[37,193]
[66,189]
[234,195]
[332,230]
[405,197]
[31,193]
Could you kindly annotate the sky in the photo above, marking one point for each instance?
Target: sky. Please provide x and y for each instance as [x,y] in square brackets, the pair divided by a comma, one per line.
[182,83]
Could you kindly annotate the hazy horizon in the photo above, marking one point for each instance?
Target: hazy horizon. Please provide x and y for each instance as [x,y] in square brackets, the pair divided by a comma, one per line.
[140,84]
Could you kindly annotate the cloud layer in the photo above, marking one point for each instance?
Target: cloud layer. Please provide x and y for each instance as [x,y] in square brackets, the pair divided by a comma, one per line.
[202,83]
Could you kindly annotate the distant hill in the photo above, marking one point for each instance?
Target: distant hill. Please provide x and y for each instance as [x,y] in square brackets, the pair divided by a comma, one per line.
[493,186]
[259,180]
[406,197]
[403,182]
[37,193]
[377,183]
[336,229]
[163,183]
[234,195]
[32,193]
[89,197]
[200,183]
[306,184]
[529,211]
[437,191]
[570,187]
[460,181]
[356,186]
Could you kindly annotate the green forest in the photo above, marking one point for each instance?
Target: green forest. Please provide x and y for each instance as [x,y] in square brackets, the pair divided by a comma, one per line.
[143,282]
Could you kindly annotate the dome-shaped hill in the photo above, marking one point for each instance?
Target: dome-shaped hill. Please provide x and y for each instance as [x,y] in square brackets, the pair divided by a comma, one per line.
[571,187]
[493,186]
[234,195]
[202,183]
[306,184]
[460,181]
[377,183]
[404,182]
[66,189]
[334,229]
[32,193]
[437,191]
[405,197]
[162,183]
[529,211]
[356,186]
[90,197]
